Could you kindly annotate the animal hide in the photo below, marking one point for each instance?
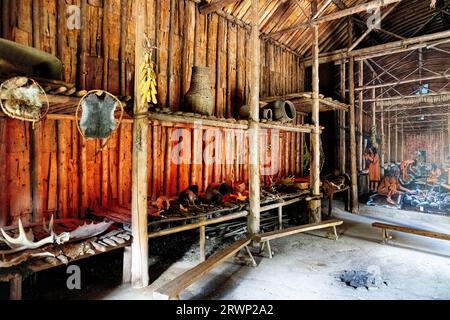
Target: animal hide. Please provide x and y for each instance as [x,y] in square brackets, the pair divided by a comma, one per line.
[97,120]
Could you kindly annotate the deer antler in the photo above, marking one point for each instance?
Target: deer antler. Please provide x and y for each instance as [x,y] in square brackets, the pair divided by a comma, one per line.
[24,242]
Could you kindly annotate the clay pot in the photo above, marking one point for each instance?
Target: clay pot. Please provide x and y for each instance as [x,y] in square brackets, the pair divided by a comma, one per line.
[199,98]
[264,114]
[283,111]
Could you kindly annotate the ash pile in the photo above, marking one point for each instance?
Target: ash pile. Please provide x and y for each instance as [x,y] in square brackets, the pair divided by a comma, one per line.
[362,279]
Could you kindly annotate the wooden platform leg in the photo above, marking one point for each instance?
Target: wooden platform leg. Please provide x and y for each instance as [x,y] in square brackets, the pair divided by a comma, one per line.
[336,236]
[280,218]
[126,275]
[330,204]
[269,249]
[202,243]
[252,260]
[15,292]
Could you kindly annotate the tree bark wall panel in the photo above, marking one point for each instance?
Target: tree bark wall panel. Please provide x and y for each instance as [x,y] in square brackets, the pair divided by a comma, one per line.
[429,142]
[71,175]
[101,54]
[175,162]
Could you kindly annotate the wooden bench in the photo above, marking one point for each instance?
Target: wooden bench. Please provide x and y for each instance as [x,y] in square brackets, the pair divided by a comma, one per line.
[265,238]
[173,289]
[425,233]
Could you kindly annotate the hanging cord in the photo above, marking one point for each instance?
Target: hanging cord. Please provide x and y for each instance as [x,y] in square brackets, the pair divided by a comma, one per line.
[122,111]
[19,117]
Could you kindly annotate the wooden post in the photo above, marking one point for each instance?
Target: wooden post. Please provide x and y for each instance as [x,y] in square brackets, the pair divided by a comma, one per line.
[255,182]
[448,136]
[360,115]
[353,168]
[383,142]
[389,159]
[315,214]
[342,122]
[139,259]
[396,140]
[354,208]
[402,153]
[15,289]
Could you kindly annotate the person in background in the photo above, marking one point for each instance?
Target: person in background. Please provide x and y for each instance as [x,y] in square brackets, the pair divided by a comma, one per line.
[390,186]
[371,155]
[406,167]
[435,174]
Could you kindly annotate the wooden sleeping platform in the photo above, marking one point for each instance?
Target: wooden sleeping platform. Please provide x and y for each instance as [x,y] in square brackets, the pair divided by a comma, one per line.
[67,254]
[420,232]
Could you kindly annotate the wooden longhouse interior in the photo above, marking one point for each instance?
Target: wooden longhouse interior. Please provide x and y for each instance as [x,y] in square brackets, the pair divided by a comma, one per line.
[256,138]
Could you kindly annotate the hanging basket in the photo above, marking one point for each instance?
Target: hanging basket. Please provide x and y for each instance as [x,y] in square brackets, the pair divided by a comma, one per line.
[98,121]
[24,99]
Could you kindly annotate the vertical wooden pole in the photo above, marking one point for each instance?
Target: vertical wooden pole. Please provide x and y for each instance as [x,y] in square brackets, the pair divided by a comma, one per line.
[360,115]
[383,142]
[448,136]
[389,159]
[139,264]
[396,139]
[15,289]
[342,122]
[315,214]
[402,154]
[353,168]
[255,182]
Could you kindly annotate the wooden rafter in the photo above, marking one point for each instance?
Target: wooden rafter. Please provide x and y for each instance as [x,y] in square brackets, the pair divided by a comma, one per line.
[338,15]
[369,30]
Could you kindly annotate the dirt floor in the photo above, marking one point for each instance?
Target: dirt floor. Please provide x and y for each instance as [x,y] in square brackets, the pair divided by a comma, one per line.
[305,266]
[308,266]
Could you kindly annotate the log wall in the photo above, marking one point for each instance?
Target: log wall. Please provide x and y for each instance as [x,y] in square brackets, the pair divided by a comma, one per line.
[52,169]
[433,143]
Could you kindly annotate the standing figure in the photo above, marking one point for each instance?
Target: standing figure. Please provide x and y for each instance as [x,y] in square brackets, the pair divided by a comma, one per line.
[406,167]
[371,155]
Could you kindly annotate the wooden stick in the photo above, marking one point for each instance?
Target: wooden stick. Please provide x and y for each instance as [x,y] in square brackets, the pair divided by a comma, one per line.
[380,50]
[360,150]
[353,168]
[315,214]
[197,225]
[139,272]
[255,182]
[342,122]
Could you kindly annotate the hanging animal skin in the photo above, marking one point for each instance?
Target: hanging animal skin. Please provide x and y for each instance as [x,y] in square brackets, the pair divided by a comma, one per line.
[97,120]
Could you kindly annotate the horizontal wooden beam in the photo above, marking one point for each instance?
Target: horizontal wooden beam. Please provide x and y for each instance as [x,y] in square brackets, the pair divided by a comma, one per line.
[393,84]
[215,5]
[414,108]
[380,50]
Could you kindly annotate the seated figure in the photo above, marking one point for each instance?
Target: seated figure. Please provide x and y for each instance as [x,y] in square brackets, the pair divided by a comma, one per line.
[435,174]
[390,186]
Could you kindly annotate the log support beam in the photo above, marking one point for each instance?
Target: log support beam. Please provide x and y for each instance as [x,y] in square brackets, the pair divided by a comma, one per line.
[315,212]
[139,255]
[342,149]
[354,207]
[255,182]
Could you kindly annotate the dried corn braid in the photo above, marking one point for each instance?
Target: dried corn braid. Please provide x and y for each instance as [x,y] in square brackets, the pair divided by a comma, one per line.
[147,87]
